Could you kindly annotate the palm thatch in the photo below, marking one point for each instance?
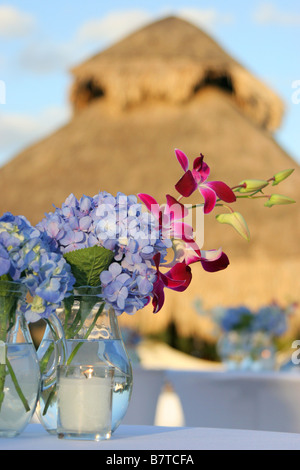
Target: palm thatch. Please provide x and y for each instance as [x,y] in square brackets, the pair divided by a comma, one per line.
[170,86]
[146,66]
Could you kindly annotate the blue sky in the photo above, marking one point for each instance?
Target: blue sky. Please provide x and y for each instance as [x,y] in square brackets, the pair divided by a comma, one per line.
[40,41]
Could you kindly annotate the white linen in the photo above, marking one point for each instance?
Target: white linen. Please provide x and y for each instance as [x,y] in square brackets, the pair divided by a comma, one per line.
[147,386]
[158,439]
[242,400]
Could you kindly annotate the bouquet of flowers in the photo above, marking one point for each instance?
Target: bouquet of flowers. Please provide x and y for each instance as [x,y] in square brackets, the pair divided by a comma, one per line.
[270,320]
[112,242]
[27,264]
[120,246]
[26,257]
[247,339]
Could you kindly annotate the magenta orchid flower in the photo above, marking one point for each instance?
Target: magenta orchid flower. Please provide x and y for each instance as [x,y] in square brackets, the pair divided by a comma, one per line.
[211,260]
[170,223]
[196,179]
[169,217]
[178,278]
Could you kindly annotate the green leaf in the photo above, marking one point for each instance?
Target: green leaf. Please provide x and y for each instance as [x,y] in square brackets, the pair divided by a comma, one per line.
[4,285]
[237,221]
[88,263]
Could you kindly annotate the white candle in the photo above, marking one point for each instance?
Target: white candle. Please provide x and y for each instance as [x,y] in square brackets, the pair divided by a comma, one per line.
[84,404]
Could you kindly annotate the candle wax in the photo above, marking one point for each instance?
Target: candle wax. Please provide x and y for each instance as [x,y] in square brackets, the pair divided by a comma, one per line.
[85,404]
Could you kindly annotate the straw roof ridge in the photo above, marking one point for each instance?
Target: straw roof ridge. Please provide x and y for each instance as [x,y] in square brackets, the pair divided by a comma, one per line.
[145,66]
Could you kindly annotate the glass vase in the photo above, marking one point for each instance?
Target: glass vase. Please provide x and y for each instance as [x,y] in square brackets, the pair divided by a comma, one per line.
[250,351]
[19,366]
[51,353]
[93,337]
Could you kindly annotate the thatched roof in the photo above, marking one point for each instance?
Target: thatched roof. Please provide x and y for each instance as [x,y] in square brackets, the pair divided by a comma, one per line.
[113,147]
[170,60]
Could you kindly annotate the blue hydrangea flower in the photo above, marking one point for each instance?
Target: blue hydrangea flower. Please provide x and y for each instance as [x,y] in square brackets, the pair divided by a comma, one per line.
[271,319]
[26,257]
[4,261]
[240,318]
[119,224]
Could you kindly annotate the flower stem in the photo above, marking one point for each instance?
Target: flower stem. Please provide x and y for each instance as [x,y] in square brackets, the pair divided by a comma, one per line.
[2,381]
[253,196]
[49,399]
[3,322]
[75,350]
[17,386]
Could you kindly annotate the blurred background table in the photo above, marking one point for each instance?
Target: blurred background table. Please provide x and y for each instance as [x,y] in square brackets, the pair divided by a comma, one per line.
[218,399]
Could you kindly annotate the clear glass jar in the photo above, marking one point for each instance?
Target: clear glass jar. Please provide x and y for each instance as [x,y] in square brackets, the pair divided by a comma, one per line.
[51,352]
[93,337]
[19,366]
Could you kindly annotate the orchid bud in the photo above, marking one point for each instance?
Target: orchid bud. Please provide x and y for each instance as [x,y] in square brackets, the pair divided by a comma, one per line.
[249,186]
[237,221]
[282,175]
[278,199]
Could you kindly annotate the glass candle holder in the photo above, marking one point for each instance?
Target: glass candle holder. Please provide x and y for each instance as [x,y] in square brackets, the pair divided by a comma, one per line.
[85,401]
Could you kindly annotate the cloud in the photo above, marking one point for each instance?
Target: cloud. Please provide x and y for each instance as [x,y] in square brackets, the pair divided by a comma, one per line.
[267,13]
[206,18]
[113,26]
[117,24]
[20,130]
[15,23]
[46,57]
[43,57]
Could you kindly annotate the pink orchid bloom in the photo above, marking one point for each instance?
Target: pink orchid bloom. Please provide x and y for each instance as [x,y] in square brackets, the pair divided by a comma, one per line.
[178,278]
[169,216]
[196,179]
[211,260]
[186,251]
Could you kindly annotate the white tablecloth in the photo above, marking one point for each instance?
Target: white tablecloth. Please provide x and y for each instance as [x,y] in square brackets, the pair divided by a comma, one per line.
[264,401]
[158,439]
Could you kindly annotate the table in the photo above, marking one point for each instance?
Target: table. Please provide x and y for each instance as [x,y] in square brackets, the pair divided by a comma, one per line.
[262,401]
[158,439]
